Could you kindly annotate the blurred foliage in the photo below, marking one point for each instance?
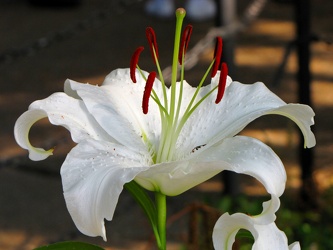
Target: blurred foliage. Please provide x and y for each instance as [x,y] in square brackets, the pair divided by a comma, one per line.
[312,228]
[69,245]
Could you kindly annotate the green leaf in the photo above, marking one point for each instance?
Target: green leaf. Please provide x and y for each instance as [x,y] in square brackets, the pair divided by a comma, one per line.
[69,245]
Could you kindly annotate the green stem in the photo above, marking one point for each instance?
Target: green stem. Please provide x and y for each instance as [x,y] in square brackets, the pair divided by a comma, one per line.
[140,195]
[160,200]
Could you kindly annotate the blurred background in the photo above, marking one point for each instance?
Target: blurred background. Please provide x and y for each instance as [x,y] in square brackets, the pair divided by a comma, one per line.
[45,42]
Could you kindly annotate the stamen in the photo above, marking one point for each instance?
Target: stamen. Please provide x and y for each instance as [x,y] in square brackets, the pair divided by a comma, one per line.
[147,91]
[222,82]
[134,63]
[217,55]
[184,42]
[150,34]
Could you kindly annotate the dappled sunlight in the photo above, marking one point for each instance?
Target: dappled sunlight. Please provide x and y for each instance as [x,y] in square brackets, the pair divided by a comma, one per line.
[20,239]
[324,178]
[275,137]
[249,186]
[258,56]
[10,149]
[273,28]
[21,99]
[322,92]
[293,176]
[213,185]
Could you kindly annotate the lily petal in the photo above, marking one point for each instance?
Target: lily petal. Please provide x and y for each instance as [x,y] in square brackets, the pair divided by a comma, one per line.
[174,178]
[239,154]
[267,237]
[240,105]
[295,246]
[21,133]
[60,110]
[116,105]
[249,156]
[93,176]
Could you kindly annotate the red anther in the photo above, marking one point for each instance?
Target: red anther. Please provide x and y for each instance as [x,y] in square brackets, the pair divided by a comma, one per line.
[217,55]
[147,91]
[150,34]
[134,62]
[184,42]
[222,82]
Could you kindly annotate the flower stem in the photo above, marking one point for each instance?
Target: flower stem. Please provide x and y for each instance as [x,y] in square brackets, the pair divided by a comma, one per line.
[160,200]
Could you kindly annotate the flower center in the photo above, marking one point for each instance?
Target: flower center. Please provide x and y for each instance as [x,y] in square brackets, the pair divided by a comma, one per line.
[172,121]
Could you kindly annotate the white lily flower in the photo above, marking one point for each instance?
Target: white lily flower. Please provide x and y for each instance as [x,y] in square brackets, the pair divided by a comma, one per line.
[187,136]
[116,141]
[267,237]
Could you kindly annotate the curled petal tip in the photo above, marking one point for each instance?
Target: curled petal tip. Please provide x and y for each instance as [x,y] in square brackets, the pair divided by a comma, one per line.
[21,133]
[39,154]
[295,246]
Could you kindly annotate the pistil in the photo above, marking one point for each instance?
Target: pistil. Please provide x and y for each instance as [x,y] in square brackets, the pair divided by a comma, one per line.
[172,122]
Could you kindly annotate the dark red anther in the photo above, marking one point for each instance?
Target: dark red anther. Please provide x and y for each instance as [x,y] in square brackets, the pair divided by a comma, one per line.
[184,42]
[147,91]
[217,55]
[150,34]
[222,82]
[134,62]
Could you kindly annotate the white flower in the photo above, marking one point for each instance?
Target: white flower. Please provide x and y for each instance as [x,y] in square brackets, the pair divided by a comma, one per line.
[267,236]
[117,143]
[183,137]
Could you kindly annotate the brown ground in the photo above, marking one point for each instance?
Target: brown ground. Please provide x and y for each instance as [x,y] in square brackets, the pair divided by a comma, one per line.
[32,209]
